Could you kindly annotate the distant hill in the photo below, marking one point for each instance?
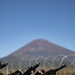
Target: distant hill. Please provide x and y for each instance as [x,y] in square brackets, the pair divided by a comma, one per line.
[36,48]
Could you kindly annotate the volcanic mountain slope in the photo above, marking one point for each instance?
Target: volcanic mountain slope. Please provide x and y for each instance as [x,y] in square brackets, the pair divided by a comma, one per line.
[35,48]
[41,47]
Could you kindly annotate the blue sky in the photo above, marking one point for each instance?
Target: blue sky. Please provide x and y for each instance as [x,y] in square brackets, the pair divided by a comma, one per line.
[22,21]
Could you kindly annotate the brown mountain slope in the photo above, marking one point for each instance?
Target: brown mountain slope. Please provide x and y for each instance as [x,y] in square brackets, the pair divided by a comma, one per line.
[36,48]
[41,47]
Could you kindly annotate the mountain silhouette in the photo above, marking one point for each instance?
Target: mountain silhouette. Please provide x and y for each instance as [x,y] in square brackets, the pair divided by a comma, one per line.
[36,48]
[41,47]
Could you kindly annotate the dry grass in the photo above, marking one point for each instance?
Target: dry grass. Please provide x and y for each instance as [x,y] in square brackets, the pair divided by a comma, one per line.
[64,71]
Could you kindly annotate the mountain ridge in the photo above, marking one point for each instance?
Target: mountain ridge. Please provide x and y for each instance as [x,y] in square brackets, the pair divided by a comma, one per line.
[39,47]
[36,49]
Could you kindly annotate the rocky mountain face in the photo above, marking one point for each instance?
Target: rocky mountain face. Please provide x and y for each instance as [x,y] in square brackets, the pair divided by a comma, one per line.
[37,48]
[41,47]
